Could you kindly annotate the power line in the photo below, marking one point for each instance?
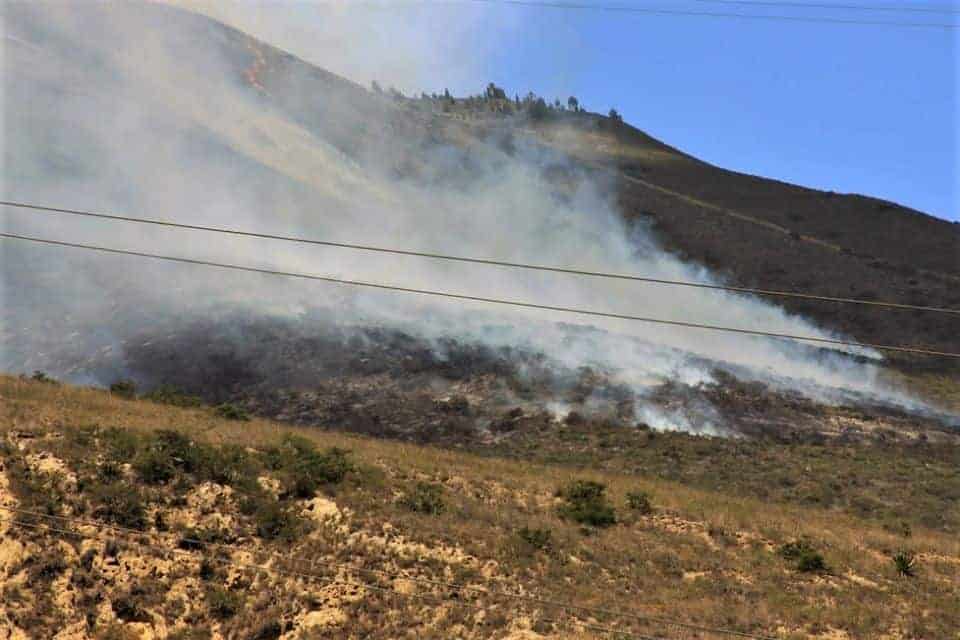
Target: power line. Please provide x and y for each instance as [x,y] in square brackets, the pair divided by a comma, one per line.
[546,4]
[841,7]
[483,261]
[302,574]
[514,303]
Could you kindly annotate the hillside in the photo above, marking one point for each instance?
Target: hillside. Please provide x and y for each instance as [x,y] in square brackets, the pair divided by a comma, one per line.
[757,232]
[198,452]
[138,519]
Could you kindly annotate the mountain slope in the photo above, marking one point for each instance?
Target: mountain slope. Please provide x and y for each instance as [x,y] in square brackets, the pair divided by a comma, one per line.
[758,232]
[202,123]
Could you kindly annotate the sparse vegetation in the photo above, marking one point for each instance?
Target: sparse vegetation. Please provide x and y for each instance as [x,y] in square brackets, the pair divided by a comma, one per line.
[276,521]
[303,469]
[585,502]
[804,556]
[640,502]
[424,497]
[905,562]
[169,394]
[230,411]
[124,389]
[119,503]
[40,376]
[223,603]
[536,538]
[703,546]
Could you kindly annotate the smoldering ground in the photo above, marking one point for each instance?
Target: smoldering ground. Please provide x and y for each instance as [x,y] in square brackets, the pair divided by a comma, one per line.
[146,110]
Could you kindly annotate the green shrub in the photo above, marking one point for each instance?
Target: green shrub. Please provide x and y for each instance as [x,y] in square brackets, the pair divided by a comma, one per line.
[905,562]
[154,466]
[307,473]
[229,411]
[639,501]
[274,520]
[197,539]
[35,491]
[582,490]
[134,605]
[168,394]
[124,389]
[227,464]
[40,376]
[303,469]
[811,562]
[585,502]
[47,566]
[119,503]
[121,444]
[223,603]
[109,471]
[424,498]
[267,630]
[539,539]
[178,446]
[207,569]
[804,556]
[128,609]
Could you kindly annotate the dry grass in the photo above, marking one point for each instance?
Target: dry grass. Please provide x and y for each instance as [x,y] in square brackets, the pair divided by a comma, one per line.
[702,556]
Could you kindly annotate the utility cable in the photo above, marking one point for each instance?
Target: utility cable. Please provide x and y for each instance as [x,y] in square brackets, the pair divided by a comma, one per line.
[514,303]
[905,8]
[709,14]
[483,261]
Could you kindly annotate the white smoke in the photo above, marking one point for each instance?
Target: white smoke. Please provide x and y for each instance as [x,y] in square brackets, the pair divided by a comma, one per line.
[148,111]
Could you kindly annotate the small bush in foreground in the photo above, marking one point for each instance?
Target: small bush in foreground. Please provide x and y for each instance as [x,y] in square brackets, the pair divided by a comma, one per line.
[124,389]
[229,411]
[223,603]
[303,469]
[154,466]
[905,562]
[120,444]
[40,376]
[585,502]
[275,521]
[119,503]
[48,565]
[424,498]
[804,556]
[539,539]
[168,394]
[639,501]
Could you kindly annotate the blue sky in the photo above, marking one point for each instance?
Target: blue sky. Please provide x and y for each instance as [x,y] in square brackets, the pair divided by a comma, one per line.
[860,109]
[854,109]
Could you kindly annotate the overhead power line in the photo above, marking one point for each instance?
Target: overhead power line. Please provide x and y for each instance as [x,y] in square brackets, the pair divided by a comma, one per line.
[499,301]
[903,8]
[547,4]
[483,261]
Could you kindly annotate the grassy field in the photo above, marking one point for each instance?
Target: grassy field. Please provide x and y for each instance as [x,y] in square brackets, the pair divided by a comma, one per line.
[391,540]
[893,483]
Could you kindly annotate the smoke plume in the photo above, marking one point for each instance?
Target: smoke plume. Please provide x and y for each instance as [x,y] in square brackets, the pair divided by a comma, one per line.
[152,111]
